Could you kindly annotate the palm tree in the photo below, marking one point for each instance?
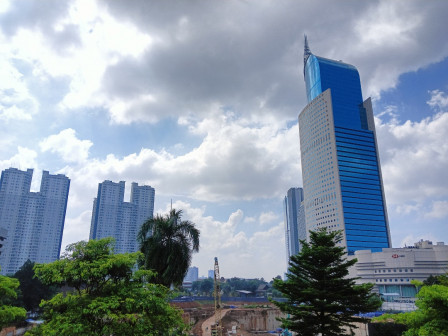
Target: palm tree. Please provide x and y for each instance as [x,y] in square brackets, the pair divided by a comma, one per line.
[168,243]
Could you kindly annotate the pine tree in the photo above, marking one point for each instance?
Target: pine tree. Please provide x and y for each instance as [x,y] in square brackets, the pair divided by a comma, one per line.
[321,299]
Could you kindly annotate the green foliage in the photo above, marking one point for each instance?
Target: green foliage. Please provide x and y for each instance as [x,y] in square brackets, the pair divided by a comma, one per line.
[320,297]
[31,290]
[9,313]
[108,298]
[167,243]
[431,317]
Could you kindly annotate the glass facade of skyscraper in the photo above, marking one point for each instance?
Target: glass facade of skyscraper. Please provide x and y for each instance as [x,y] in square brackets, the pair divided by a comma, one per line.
[294,221]
[340,165]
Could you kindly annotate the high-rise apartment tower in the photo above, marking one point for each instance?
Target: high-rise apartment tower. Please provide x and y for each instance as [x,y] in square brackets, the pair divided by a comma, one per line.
[341,170]
[294,221]
[34,220]
[112,217]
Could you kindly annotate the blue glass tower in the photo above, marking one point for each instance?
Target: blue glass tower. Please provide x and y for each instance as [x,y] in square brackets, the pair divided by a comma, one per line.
[294,221]
[341,172]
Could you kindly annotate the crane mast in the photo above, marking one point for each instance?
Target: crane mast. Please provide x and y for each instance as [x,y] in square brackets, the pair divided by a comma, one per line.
[217,330]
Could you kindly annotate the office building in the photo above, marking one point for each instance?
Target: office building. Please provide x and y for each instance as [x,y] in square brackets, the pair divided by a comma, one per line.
[393,269]
[34,220]
[341,171]
[211,274]
[112,217]
[294,221]
[192,274]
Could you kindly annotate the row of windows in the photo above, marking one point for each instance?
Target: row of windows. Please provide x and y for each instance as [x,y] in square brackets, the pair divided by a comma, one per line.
[376,228]
[363,199]
[392,280]
[349,170]
[360,185]
[352,131]
[354,147]
[359,176]
[358,191]
[353,135]
[362,206]
[395,270]
[353,239]
[354,143]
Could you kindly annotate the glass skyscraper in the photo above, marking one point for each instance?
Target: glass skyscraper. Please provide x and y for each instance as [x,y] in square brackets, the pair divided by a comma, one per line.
[341,170]
[294,221]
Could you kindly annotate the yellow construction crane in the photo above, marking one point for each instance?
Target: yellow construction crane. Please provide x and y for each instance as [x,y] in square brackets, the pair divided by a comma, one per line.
[217,328]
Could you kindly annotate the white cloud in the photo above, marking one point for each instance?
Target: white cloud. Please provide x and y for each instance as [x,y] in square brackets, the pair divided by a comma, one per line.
[25,158]
[439,209]
[14,112]
[256,253]
[414,157]
[67,145]
[438,99]
[268,218]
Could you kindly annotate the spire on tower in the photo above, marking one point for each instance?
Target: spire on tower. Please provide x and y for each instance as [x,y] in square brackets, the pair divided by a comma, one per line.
[306,53]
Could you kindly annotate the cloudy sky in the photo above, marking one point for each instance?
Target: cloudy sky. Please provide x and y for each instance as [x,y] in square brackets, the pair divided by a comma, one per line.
[199,99]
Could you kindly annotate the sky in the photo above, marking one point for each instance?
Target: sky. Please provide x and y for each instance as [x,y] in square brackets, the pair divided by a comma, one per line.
[200,100]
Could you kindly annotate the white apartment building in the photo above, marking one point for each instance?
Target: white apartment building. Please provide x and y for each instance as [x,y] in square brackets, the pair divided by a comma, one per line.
[112,217]
[34,221]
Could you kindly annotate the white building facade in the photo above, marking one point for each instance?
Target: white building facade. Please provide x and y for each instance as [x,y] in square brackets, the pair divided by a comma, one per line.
[112,217]
[34,220]
[393,269]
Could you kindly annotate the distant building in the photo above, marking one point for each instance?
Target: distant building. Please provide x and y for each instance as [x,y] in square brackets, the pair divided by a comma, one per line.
[341,170]
[112,217]
[34,220]
[294,218]
[192,274]
[211,274]
[393,269]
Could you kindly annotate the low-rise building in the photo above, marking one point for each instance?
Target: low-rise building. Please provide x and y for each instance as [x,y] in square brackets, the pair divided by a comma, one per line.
[393,269]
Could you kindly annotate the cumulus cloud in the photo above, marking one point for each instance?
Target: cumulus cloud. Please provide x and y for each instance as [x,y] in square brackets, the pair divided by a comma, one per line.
[232,162]
[23,159]
[439,99]
[439,209]
[67,145]
[268,217]
[422,144]
[222,239]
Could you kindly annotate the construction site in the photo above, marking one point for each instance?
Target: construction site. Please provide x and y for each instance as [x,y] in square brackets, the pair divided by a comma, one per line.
[238,318]
[212,318]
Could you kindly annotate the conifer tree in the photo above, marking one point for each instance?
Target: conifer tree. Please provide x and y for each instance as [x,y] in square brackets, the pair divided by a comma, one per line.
[321,299]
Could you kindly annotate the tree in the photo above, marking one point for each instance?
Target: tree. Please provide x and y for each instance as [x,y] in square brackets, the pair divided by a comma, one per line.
[107,297]
[320,297]
[167,243]
[431,316]
[9,313]
[31,290]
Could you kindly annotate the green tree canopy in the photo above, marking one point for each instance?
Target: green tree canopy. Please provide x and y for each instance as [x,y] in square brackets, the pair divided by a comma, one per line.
[167,243]
[107,297]
[9,313]
[320,297]
[31,290]
[431,316]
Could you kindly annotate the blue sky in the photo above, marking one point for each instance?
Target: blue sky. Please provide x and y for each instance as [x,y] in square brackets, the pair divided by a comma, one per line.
[200,100]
